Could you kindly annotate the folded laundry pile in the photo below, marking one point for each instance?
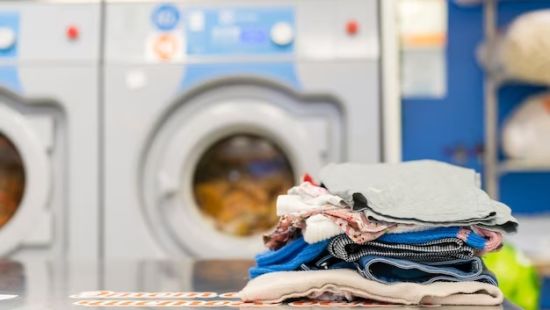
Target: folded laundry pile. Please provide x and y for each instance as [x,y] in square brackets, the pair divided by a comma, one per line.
[408,233]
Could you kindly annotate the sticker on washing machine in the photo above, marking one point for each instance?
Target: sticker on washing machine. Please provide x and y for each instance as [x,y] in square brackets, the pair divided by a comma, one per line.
[164,47]
[165,17]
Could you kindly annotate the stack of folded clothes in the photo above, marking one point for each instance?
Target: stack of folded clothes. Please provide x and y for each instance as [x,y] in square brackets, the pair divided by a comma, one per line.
[409,233]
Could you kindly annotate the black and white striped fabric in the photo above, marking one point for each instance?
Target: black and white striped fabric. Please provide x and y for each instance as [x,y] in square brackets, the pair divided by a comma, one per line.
[434,251]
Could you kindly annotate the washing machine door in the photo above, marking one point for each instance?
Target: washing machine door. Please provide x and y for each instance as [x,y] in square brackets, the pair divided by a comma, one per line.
[24,178]
[213,174]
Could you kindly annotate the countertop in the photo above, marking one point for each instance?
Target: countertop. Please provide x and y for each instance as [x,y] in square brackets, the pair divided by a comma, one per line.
[87,285]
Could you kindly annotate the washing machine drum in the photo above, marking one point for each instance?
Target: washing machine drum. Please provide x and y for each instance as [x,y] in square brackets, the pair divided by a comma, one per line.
[236,183]
[214,169]
[12,179]
[25,179]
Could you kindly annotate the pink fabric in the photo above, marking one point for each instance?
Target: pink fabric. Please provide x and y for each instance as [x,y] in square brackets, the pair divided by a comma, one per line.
[463,233]
[287,229]
[494,238]
[357,226]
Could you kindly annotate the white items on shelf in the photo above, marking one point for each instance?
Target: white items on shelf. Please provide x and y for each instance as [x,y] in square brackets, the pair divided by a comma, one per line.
[526,132]
[525,50]
[522,53]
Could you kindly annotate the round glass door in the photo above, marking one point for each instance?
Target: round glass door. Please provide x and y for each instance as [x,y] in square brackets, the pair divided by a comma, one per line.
[12,179]
[236,183]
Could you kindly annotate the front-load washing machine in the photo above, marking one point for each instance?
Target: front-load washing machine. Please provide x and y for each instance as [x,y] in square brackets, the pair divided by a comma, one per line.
[49,129]
[213,108]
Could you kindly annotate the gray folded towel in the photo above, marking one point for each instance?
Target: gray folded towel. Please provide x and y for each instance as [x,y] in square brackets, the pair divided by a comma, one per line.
[418,192]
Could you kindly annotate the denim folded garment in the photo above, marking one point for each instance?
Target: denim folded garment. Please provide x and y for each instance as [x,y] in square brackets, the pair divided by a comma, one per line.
[392,270]
[287,258]
[471,238]
[327,261]
[434,251]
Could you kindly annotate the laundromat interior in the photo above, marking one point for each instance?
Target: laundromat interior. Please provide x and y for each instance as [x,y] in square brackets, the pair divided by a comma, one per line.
[140,139]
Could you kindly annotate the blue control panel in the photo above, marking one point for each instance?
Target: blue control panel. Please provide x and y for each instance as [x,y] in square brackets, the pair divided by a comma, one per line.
[237,31]
[9,26]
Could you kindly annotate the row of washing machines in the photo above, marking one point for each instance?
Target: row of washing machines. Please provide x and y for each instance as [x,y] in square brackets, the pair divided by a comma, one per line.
[161,130]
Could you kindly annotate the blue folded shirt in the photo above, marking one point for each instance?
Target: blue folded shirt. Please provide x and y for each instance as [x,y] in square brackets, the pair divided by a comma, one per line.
[287,258]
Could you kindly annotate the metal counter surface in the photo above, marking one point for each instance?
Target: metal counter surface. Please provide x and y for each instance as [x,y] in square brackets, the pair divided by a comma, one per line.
[41,285]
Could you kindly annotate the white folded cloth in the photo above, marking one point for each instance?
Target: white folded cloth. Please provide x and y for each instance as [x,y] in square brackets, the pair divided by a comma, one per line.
[276,287]
[319,228]
[306,197]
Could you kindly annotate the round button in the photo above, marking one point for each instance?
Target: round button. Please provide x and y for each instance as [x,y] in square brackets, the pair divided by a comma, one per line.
[352,27]
[7,38]
[282,33]
[72,32]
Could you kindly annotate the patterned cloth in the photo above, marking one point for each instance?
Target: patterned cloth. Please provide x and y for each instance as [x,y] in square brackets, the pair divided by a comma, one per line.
[300,203]
[440,250]
[288,228]
[357,226]
[354,224]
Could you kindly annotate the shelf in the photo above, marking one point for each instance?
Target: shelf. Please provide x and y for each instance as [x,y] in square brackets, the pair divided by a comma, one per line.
[519,165]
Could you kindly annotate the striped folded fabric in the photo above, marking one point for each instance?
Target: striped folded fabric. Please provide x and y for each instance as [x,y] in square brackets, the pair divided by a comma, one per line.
[433,251]
[470,237]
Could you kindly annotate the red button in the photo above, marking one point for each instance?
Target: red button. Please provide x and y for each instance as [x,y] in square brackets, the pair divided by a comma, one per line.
[352,27]
[72,32]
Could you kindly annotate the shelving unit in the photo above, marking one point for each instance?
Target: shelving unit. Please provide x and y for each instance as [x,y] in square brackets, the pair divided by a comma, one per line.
[532,238]
[490,159]
[493,167]
[518,165]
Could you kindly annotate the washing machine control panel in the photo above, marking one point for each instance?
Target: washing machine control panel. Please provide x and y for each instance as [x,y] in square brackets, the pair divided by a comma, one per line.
[49,31]
[185,31]
[239,31]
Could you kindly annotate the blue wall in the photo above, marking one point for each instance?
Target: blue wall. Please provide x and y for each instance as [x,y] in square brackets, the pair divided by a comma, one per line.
[437,128]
